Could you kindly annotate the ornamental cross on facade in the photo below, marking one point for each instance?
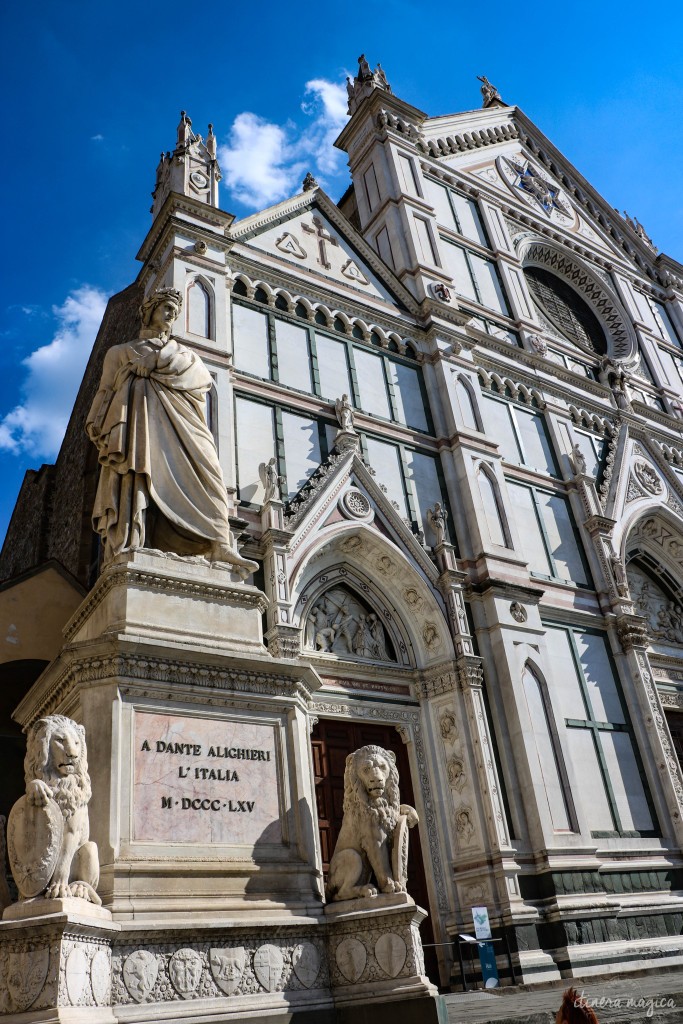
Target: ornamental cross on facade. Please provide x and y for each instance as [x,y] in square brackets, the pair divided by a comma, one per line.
[323,237]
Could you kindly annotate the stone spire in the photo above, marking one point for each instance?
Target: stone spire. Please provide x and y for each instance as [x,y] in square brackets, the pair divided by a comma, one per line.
[191,169]
[365,81]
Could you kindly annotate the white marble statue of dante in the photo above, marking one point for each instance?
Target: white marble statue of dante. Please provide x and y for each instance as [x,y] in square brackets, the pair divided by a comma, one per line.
[161,484]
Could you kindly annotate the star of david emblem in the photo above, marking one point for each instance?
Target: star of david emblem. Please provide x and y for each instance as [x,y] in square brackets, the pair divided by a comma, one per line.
[531,182]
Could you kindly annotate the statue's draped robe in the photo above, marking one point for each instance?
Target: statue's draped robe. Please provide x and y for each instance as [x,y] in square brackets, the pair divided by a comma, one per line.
[155,447]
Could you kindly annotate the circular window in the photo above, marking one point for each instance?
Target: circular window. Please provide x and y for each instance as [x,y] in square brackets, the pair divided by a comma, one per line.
[566,310]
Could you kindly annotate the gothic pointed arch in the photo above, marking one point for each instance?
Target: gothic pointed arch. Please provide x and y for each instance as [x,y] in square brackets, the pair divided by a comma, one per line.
[654,569]
[199,307]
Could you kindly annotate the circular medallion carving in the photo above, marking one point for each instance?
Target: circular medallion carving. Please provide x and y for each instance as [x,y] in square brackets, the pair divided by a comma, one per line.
[646,477]
[518,612]
[199,180]
[355,505]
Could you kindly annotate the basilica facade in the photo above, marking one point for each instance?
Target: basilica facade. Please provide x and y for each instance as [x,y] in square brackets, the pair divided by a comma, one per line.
[448,409]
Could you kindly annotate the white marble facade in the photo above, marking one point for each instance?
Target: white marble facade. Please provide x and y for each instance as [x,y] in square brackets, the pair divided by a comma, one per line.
[491,563]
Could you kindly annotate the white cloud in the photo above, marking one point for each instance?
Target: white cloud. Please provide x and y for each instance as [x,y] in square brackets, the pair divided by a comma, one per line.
[96,138]
[264,162]
[36,426]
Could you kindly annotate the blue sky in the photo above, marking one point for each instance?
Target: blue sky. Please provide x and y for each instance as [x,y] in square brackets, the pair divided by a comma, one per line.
[93,93]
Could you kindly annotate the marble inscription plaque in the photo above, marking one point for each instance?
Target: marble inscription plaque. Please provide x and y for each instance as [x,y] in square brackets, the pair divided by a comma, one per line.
[200,780]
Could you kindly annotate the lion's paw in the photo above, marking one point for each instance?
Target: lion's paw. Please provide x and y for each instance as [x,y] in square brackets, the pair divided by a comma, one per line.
[57,891]
[367,890]
[38,793]
[79,890]
[391,886]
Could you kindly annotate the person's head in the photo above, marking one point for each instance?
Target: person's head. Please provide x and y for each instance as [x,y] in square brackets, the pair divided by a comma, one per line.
[161,309]
[575,1010]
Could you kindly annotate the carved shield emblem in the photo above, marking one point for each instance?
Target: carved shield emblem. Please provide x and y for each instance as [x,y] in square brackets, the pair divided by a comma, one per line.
[306,963]
[26,974]
[140,974]
[351,958]
[227,967]
[185,971]
[34,839]
[100,977]
[268,964]
[76,974]
[390,951]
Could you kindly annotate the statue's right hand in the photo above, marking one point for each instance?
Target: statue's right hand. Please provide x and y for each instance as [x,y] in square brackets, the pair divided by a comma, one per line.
[38,793]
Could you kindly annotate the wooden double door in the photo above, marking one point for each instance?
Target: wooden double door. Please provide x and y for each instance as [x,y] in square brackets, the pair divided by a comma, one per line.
[332,740]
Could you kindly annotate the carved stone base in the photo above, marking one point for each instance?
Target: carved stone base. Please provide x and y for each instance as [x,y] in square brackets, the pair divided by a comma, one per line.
[61,965]
[167,597]
[53,963]
[375,952]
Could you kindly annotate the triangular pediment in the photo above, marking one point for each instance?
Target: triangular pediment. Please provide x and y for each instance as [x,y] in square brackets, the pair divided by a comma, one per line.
[502,149]
[309,233]
[342,494]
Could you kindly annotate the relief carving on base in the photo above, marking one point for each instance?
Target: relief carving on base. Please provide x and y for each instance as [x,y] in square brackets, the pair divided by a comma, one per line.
[351,957]
[306,963]
[25,975]
[140,971]
[390,953]
[227,967]
[268,966]
[185,972]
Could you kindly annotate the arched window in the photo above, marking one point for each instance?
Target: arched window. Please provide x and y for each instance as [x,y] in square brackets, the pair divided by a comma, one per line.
[488,490]
[545,756]
[199,309]
[467,402]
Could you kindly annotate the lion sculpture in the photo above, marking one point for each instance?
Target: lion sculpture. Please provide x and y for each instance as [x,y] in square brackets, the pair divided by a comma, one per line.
[56,769]
[373,840]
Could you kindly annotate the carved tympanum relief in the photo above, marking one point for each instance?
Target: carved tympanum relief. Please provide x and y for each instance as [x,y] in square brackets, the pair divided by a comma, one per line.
[48,829]
[373,841]
[341,623]
[664,616]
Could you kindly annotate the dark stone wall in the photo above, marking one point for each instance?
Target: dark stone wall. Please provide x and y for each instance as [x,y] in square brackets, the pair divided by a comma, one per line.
[52,515]
[26,539]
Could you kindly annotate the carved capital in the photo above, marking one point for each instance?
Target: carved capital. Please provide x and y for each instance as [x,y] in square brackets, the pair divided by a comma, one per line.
[470,672]
[632,632]
[284,641]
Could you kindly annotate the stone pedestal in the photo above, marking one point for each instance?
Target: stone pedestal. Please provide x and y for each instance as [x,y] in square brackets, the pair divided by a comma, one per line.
[55,962]
[375,957]
[202,811]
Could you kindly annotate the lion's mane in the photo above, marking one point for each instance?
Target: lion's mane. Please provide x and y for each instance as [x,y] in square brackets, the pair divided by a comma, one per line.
[384,811]
[69,791]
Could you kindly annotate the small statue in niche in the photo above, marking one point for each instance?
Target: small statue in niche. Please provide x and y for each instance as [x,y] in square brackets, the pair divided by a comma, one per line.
[48,832]
[436,517]
[373,841]
[345,414]
[160,483]
[619,573]
[271,480]
[577,460]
